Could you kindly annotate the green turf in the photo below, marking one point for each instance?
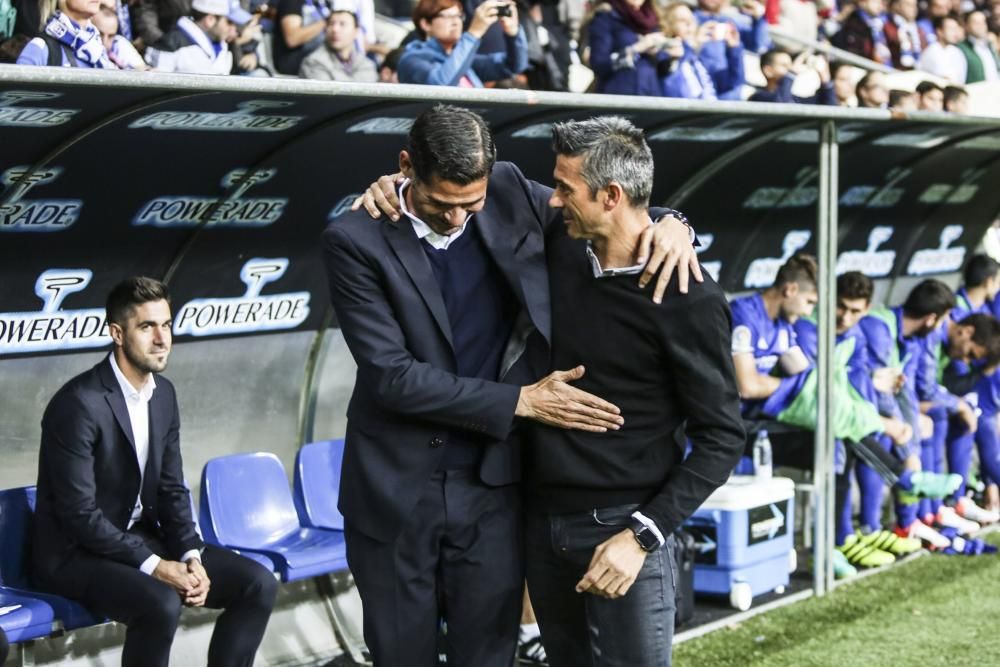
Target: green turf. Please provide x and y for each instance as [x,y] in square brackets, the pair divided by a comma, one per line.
[935,610]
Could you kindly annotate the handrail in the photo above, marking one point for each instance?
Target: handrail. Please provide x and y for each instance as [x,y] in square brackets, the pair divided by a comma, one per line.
[832,52]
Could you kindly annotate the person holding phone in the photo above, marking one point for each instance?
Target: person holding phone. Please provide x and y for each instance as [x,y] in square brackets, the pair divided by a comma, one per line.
[685,73]
[447,54]
[626,46]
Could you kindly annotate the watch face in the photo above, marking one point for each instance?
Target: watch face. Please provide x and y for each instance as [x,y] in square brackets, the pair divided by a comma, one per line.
[645,537]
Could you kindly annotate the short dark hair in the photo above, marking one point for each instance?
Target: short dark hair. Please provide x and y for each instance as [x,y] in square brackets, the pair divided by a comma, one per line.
[926,86]
[979,269]
[953,93]
[130,293]
[343,11]
[769,57]
[986,332]
[896,96]
[855,285]
[391,60]
[929,297]
[197,16]
[865,81]
[801,269]
[451,143]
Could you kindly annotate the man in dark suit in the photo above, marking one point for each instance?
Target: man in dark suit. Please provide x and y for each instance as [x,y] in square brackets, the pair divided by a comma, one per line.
[446,311]
[113,527]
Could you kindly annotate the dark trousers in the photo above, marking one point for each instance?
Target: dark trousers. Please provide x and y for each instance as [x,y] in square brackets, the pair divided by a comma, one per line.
[150,609]
[583,629]
[459,558]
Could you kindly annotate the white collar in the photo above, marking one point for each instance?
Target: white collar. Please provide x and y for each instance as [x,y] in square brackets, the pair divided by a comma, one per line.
[144,393]
[422,229]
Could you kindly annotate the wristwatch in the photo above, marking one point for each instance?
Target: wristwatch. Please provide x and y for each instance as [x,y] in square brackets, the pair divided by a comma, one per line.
[646,538]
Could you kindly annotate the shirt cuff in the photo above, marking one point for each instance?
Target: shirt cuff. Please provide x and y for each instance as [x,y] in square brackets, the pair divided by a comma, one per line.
[649,523]
[192,553]
[150,564]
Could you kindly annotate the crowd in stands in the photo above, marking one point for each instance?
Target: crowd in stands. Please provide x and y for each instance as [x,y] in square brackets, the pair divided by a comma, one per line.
[914,390]
[693,50]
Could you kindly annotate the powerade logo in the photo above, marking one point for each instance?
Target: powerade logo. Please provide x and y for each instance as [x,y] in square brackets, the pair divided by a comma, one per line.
[537,131]
[232,211]
[241,120]
[728,130]
[382,126]
[27,116]
[871,261]
[52,328]
[942,259]
[34,215]
[342,206]
[248,313]
[761,272]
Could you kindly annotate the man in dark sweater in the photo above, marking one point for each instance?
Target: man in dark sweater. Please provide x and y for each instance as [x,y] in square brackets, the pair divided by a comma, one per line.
[602,508]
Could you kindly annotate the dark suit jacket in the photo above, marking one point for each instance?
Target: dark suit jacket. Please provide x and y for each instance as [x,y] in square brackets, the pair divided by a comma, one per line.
[88,478]
[406,395]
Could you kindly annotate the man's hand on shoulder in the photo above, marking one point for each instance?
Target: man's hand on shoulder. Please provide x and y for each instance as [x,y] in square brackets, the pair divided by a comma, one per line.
[554,402]
[176,575]
[668,246]
[381,197]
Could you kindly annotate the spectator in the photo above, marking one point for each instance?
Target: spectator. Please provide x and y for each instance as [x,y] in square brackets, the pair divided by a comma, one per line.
[943,58]
[626,44]
[198,44]
[30,16]
[10,50]
[982,62]
[338,59]
[843,83]
[905,37]
[387,71]
[749,21]
[956,100]
[301,24]
[119,49]
[863,32]
[684,72]
[153,18]
[717,52]
[780,70]
[447,55]
[930,96]
[872,91]
[69,39]
[935,9]
[244,48]
[902,100]
[548,46]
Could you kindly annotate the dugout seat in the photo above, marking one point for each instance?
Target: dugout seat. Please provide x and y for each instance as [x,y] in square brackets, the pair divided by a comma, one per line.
[246,505]
[317,484]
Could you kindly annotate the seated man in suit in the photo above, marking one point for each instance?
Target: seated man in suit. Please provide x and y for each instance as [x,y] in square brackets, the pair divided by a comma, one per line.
[113,527]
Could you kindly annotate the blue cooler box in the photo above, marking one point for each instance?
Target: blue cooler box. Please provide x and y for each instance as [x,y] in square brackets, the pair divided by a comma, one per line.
[744,536]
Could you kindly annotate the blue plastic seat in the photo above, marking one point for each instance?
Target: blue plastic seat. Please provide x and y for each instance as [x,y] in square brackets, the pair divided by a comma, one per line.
[16,507]
[246,505]
[31,620]
[317,484]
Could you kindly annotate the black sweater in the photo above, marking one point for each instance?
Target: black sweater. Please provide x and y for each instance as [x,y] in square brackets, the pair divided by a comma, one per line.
[667,366]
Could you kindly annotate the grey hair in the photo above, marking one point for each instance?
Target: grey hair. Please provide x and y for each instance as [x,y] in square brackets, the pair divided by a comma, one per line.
[613,150]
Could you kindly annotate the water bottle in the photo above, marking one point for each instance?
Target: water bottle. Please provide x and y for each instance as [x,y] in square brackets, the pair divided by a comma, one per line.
[762,456]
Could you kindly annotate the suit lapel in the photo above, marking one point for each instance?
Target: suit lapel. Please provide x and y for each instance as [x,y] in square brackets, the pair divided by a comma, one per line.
[157,419]
[116,400]
[406,246]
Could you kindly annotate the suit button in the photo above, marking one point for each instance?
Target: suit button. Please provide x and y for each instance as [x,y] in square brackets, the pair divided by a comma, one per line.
[437,442]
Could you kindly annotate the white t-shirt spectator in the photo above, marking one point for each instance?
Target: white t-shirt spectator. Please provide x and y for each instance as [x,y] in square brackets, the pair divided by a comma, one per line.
[945,61]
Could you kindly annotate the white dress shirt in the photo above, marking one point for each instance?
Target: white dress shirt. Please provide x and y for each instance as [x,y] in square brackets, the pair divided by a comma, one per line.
[137,404]
[944,61]
[423,231]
